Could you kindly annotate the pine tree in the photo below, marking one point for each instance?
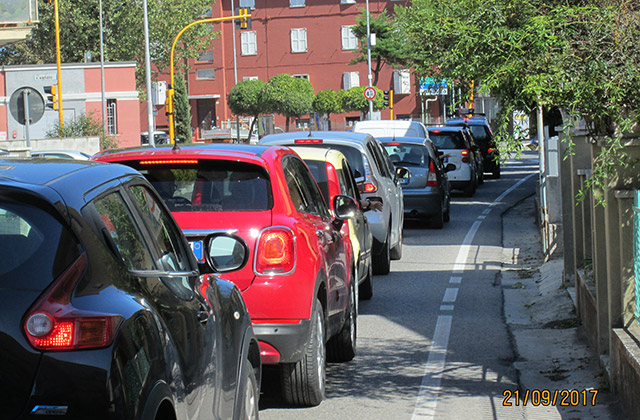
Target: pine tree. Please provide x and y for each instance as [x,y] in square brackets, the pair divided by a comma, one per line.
[182,110]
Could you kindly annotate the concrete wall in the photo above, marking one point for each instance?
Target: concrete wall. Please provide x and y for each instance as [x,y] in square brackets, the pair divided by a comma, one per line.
[89,145]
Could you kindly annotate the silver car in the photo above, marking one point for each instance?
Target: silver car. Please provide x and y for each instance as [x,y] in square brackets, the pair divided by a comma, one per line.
[377,180]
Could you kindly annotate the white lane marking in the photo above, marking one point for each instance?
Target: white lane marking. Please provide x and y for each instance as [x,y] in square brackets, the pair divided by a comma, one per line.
[456,279]
[425,408]
[450,295]
[482,217]
[430,387]
[446,307]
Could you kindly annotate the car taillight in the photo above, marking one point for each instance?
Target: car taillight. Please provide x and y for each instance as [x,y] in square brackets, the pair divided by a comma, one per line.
[169,162]
[432,179]
[54,324]
[490,150]
[393,144]
[276,252]
[307,141]
[369,187]
[465,155]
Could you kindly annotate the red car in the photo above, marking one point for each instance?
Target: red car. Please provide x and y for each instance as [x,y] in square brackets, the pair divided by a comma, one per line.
[298,285]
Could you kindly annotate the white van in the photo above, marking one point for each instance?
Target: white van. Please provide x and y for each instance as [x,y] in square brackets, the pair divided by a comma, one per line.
[391,128]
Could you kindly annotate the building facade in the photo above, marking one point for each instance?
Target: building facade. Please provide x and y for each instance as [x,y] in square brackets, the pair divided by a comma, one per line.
[304,38]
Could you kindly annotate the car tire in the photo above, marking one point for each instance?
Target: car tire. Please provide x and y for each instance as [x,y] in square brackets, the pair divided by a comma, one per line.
[396,251]
[437,220]
[496,172]
[250,394]
[365,290]
[342,347]
[447,214]
[470,189]
[382,264]
[481,178]
[303,382]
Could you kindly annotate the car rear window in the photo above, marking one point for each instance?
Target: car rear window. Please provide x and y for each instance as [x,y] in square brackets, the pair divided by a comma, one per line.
[210,185]
[353,155]
[407,154]
[480,133]
[445,140]
[35,247]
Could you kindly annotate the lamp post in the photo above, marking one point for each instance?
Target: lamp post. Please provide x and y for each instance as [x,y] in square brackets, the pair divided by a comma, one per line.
[102,95]
[369,59]
[147,70]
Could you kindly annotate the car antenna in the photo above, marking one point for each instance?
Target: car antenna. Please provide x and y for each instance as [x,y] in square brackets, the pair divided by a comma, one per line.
[175,146]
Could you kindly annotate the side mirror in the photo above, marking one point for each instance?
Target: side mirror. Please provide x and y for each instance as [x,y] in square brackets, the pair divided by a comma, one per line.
[345,207]
[225,252]
[402,173]
[450,167]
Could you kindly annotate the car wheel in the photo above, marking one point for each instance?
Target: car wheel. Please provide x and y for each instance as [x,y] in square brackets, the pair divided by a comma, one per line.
[437,221]
[303,382]
[366,288]
[250,395]
[342,347]
[496,172]
[481,177]
[396,251]
[447,214]
[382,264]
[470,189]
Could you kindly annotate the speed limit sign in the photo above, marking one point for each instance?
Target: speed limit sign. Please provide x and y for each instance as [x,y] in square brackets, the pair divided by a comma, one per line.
[370,93]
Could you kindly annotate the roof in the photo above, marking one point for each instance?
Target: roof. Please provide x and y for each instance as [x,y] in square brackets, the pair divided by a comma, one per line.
[446,129]
[468,120]
[416,140]
[288,138]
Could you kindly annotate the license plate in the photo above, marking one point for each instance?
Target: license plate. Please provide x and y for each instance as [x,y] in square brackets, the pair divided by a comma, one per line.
[196,247]
[404,181]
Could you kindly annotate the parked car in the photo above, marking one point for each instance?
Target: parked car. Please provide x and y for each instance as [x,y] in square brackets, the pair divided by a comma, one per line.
[457,150]
[425,187]
[334,176]
[60,154]
[159,137]
[377,180]
[299,285]
[105,313]
[391,128]
[482,133]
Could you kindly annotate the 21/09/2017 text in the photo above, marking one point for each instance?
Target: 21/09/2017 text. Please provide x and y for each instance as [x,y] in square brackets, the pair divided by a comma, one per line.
[546,397]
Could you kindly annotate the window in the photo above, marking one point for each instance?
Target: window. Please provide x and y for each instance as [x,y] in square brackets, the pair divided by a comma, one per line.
[296,3]
[347,1]
[205,74]
[299,40]
[248,43]
[248,3]
[301,76]
[351,79]
[112,119]
[303,190]
[244,79]
[206,57]
[349,39]
[123,232]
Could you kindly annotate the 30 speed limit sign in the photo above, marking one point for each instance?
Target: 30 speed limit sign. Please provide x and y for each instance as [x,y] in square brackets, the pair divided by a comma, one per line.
[370,93]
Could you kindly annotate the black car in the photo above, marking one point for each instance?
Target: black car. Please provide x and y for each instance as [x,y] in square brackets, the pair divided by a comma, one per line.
[105,312]
[483,135]
[425,186]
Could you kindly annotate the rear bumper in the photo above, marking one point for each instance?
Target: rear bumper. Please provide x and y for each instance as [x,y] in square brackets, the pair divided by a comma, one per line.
[422,203]
[459,185]
[290,340]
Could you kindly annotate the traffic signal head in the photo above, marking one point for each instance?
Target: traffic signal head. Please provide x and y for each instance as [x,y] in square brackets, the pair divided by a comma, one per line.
[386,98]
[245,20]
[51,96]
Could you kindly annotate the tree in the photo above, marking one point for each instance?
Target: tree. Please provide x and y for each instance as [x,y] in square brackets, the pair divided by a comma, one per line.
[329,102]
[247,98]
[182,109]
[289,96]
[354,100]
[389,48]
[123,33]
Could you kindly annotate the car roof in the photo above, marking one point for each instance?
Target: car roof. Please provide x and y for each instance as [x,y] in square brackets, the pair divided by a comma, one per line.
[242,152]
[468,120]
[417,140]
[446,129]
[332,136]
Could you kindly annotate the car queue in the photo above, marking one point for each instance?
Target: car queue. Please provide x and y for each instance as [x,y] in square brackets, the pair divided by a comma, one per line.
[283,243]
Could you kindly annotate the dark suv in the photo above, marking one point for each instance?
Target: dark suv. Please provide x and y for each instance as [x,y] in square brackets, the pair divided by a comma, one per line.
[484,138]
[105,311]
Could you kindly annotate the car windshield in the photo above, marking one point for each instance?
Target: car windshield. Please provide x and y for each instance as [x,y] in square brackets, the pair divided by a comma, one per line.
[35,247]
[407,154]
[447,140]
[480,133]
[353,155]
[210,185]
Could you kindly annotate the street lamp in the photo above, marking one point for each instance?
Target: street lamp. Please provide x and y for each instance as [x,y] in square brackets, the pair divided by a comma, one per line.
[369,59]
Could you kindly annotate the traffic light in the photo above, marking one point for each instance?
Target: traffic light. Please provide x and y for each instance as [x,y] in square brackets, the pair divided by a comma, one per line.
[52,96]
[245,21]
[388,98]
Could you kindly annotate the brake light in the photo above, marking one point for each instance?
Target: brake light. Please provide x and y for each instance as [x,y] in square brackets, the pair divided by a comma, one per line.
[432,179]
[436,131]
[54,324]
[393,144]
[307,141]
[490,150]
[465,155]
[276,252]
[369,187]
[169,162]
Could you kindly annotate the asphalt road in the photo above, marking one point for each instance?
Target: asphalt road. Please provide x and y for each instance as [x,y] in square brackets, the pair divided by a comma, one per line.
[432,342]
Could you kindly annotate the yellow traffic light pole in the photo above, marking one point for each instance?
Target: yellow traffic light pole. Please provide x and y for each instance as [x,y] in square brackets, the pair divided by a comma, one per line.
[170,91]
[59,89]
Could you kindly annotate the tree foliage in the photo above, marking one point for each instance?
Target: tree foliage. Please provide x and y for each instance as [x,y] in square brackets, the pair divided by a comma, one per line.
[247,98]
[580,56]
[354,100]
[329,101]
[84,125]
[389,48]
[123,33]
[182,109]
[289,96]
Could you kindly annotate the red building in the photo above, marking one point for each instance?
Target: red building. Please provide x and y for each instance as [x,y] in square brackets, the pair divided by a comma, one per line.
[304,38]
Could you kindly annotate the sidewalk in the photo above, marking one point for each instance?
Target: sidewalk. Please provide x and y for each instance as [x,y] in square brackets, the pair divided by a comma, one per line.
[551,351]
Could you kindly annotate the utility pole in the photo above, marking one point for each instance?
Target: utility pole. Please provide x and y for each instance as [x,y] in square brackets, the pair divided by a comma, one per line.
[147,69]
[368,59]
[235,69]
[102,89]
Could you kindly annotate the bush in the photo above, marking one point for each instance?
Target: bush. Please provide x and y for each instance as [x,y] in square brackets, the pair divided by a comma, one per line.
[84,125]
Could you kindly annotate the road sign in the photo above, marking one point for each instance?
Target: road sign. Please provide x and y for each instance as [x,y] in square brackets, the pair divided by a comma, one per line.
[429,86]
[36,105]
[370,93]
